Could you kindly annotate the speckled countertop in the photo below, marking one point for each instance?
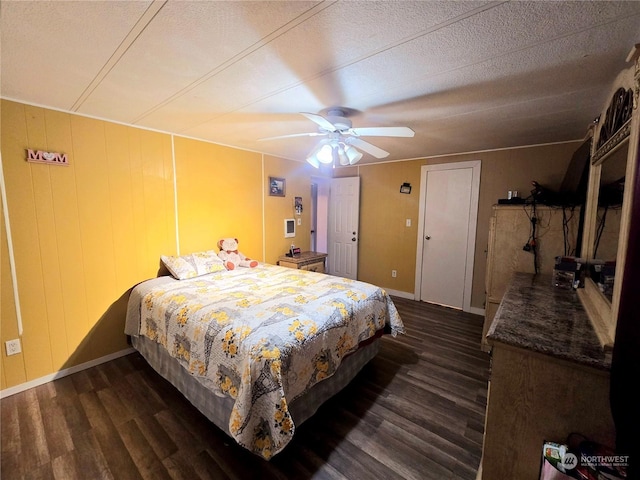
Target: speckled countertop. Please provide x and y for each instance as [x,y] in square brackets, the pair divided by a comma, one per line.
[536,316]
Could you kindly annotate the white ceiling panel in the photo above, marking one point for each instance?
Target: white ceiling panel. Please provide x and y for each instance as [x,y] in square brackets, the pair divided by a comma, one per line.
[185,43]
[51,51]
[338,37]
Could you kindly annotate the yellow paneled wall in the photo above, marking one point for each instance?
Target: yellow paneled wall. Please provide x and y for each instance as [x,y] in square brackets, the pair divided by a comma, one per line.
[298,184]
[84,234]
[12,370]
[219,195]
[384,211]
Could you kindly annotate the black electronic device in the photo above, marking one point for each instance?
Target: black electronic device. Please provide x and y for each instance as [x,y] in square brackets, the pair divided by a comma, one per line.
[511,201]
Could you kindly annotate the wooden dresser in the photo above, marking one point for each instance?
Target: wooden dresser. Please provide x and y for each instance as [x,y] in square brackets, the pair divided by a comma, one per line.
[549,378]
[509,231]
[312,261]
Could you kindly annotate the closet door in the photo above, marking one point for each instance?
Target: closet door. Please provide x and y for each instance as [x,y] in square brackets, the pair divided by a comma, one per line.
[449,206]
[344,215]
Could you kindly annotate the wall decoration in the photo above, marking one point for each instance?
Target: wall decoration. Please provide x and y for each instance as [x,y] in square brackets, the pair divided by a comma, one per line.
[289,228]
[405,188]
[40,156]
[277,186]
[618,113]
[298,205]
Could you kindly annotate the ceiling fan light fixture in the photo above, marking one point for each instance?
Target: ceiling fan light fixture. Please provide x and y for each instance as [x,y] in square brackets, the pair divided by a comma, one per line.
[313,160]
[341,139]
[340,153]
[352,154]
[320,154]
[325,154]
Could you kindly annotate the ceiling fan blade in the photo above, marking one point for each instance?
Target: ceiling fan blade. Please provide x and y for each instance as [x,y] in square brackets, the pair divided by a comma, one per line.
[320,120]
[367,147]
[382,132]
[310,134]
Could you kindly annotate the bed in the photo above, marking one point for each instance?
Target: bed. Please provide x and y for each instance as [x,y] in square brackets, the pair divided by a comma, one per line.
[257,350]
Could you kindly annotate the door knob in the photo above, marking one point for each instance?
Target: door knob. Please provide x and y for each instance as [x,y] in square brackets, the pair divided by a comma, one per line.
[428,237]
[353,239]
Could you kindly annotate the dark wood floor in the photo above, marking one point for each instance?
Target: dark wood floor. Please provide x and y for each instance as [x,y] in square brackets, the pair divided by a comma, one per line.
[415,411]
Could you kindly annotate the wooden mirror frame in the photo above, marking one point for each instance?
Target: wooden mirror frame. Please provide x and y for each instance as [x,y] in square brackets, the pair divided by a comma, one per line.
[609,137]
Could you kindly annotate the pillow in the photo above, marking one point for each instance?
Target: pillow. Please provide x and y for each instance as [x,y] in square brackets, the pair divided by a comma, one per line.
[194,264]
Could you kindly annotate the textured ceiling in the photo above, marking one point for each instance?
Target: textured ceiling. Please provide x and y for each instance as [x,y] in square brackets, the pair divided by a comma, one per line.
[465,76]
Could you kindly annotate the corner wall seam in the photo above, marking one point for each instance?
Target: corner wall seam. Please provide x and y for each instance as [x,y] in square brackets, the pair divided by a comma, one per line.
[12,260]
[175,193]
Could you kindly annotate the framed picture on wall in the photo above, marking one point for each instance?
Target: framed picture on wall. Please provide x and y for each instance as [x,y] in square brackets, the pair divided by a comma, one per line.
[277,186]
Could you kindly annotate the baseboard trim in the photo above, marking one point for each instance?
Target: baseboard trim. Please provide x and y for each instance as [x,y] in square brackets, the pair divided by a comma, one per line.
[476,311]
[398,293]
[412,296]
[7,392]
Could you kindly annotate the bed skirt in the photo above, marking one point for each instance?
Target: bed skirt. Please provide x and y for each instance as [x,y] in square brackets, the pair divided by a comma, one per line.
[218,409]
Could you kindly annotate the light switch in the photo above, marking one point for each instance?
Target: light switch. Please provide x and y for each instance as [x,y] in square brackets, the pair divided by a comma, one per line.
[299,221]
[408,222]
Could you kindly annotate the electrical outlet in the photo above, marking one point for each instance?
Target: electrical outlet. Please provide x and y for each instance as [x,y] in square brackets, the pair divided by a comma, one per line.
[394,273]
[13,346]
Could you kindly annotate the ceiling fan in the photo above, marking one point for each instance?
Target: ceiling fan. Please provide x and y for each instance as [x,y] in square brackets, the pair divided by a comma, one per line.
[342,140]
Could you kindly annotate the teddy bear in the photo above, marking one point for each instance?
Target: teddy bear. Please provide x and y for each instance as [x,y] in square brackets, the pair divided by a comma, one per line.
[230,255]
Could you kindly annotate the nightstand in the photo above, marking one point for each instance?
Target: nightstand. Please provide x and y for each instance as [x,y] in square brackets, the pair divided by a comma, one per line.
[312,261]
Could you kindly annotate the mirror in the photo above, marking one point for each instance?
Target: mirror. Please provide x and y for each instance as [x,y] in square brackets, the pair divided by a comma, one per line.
[608,216]
[608,203]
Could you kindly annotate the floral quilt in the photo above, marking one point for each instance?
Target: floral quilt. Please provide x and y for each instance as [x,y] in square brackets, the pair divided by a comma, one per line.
[263,336]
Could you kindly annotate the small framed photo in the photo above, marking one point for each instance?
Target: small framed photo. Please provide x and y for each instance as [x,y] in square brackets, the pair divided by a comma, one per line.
[277,186]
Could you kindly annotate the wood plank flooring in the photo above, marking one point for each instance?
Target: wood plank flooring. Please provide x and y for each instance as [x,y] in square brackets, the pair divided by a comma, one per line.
[416,411]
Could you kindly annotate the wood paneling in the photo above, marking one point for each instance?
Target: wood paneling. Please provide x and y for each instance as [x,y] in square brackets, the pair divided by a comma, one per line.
[77,232]
[21,203]
[219,191]
[384,212]
[12,371]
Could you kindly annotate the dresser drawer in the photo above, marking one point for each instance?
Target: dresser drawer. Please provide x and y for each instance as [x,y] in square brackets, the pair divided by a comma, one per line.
[283,263]
[314,267]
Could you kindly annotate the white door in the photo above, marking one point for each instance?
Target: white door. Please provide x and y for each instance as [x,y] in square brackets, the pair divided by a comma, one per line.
[344,213]
[449,205]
